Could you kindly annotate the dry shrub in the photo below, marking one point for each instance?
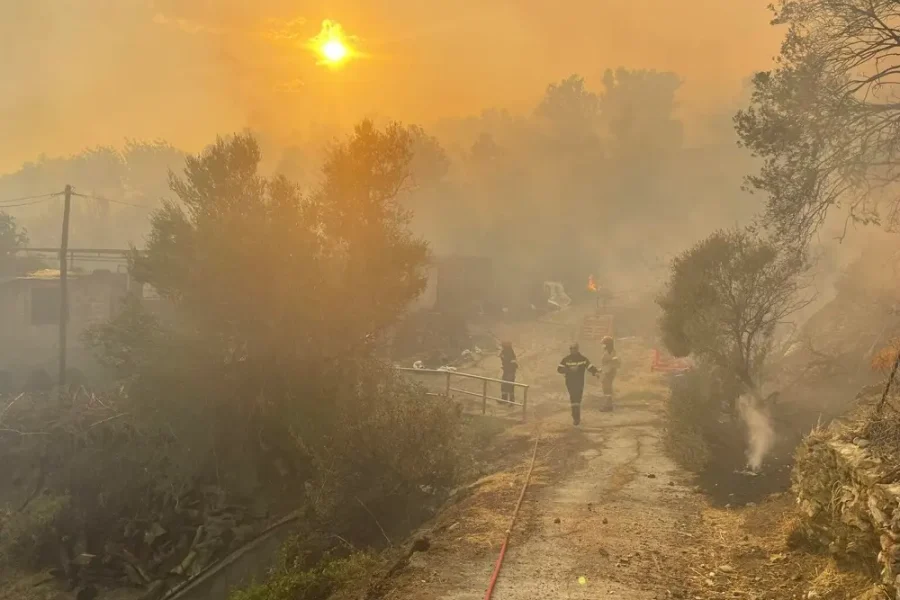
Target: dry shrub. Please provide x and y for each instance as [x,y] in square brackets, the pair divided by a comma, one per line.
[88,460]
[387,438]
[690,419]
[883,360]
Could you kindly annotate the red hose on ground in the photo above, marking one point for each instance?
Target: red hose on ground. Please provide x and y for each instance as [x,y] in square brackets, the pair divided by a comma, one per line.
[493,582]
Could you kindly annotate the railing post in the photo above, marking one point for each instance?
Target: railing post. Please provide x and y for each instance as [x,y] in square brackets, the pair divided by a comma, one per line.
[448,384]
[484,398]
[525,404]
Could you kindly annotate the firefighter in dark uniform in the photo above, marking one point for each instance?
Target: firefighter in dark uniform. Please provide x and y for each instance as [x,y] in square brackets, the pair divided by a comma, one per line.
[573,367]
[510,365]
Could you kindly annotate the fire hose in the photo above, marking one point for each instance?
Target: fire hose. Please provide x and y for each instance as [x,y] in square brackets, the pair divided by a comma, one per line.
[512,522]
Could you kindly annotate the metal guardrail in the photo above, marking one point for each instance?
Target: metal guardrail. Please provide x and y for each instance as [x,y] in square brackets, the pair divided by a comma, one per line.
[449,389]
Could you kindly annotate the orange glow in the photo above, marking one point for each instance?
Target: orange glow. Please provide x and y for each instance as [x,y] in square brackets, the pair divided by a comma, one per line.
[592,285]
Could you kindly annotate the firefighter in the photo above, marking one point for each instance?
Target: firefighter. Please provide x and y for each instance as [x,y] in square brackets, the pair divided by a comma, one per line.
[510,365]
[609,366]
[573,367]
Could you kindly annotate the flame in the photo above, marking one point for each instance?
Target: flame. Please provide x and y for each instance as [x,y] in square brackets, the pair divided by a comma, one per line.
[592,285]
[332,44]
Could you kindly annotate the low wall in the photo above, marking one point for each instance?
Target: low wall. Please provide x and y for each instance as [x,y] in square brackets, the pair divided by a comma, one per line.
[849,502]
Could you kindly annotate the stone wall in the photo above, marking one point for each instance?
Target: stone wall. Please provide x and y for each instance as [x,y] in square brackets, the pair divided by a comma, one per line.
[850,503]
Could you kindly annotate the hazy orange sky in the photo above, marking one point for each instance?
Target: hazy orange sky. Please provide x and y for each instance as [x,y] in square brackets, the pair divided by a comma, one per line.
[76,73]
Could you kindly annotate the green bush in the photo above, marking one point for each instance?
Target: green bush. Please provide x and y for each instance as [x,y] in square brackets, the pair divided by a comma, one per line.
[290,580]
[385,437]
[692,417]
[27,536]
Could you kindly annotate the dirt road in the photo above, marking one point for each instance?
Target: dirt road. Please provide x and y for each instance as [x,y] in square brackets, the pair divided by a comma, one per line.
[604,515]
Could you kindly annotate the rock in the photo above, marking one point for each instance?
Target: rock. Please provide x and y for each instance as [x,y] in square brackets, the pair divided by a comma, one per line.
[710,582]
[422,544]
[605,521]
[672,483]
[556,520]
[453,527]
[651,476]
[812,595]
[726,568]
[862,442]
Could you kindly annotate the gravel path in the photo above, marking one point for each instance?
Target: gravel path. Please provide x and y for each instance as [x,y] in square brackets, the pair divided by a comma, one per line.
[601,520]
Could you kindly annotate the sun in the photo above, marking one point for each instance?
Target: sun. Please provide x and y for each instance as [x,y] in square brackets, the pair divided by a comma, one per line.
[334,51]
[332,45]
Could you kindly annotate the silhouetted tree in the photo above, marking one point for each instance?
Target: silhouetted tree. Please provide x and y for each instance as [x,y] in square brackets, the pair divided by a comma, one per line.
[825,119]
[12,237]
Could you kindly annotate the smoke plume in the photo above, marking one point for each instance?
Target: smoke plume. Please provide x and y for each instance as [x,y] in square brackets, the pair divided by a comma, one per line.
[760,434]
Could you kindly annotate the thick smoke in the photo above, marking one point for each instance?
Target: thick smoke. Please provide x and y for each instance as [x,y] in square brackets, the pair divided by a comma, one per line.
[760,433]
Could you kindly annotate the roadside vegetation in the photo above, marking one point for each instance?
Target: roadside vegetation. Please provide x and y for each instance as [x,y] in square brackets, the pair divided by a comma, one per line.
[261,393]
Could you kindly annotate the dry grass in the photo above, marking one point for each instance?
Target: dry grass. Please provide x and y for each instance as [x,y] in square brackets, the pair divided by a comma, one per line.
[756,543]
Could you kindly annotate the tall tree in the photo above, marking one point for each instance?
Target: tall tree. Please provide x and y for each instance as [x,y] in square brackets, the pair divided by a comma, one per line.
[571,109]
[826,119]
[638,111]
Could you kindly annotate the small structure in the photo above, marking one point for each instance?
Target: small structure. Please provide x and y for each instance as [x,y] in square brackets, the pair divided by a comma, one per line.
[30,317]
[457,284]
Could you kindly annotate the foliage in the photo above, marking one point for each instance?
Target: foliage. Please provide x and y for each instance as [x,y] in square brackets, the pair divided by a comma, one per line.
[28,536]
[883,360]
[726,296]
[695,431]
[279,298]
[88,461]
[825,119]
[12,237]
[290,580]
[691,414]
[134,174]
[638,111]
[386,440]
[570,107]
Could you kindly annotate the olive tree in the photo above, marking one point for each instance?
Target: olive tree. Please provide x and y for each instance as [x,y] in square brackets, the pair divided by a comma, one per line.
[726,297]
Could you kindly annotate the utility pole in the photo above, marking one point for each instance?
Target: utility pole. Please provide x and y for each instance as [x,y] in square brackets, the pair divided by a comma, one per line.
[64,287]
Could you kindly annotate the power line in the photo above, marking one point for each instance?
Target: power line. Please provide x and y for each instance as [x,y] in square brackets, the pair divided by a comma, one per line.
[9,201]
[144,206]
[31,203]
